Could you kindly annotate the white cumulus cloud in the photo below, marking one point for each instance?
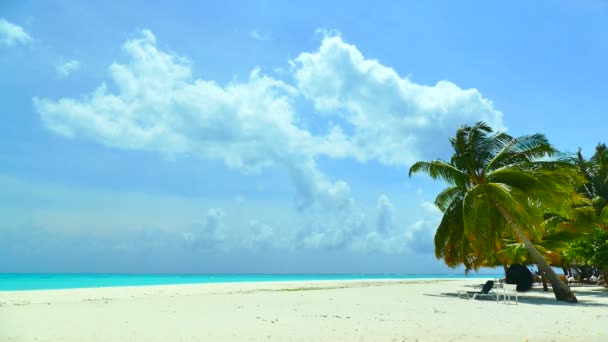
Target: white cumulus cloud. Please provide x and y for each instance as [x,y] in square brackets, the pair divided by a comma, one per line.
[153,103]
[394,120]
[64,69]
[158,106]
[12,34]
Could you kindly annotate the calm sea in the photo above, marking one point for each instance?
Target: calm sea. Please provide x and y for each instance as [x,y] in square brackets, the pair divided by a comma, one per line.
[39,281]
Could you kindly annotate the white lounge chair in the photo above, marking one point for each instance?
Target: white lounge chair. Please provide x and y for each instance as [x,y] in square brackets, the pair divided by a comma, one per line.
[486,290]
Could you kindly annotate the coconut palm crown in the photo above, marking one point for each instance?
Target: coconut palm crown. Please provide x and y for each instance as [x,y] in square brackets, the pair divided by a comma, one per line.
[499,189]
[595,171]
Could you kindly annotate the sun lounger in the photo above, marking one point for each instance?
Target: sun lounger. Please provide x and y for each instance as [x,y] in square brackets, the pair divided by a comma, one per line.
[486,291]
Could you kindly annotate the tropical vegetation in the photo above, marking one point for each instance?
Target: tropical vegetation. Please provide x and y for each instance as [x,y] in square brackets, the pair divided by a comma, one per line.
[519,199]
[591,250]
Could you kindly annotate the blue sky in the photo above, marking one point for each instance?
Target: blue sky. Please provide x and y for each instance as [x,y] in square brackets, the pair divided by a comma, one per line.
[267,136]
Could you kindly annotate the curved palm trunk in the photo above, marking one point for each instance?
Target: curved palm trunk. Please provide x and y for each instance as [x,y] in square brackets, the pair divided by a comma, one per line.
[561,290]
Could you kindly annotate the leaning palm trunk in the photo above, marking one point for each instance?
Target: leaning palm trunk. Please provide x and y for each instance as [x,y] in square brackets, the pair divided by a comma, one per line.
[561,290]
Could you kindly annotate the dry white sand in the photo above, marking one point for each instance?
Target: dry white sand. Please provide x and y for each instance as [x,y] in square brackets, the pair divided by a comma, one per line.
[415,310]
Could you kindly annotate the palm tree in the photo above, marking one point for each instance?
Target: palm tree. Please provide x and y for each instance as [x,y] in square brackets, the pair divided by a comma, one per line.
[595,171]
[499,189]
[595,209]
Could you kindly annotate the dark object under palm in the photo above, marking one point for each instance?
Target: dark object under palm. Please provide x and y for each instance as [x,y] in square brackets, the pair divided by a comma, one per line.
[521,276]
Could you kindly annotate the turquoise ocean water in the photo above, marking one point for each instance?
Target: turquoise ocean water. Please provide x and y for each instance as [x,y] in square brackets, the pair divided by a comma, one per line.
[40,281]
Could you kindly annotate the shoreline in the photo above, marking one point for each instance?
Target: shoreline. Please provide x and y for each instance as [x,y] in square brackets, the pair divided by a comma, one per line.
[278,285]
[349,310]
[92,281]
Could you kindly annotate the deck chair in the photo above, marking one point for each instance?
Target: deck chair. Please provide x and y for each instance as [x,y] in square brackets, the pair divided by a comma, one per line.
[486,290]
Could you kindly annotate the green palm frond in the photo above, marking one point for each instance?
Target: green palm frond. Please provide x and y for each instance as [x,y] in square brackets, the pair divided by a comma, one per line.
[516,178]
[521,149]
[514,253]
[439,169]
[474,200]
[449,235]
[559,239]
[514,201]
[595,171]
[604,216]
[448,196]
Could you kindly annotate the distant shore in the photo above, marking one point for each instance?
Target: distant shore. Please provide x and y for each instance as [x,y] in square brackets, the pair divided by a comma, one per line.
[354,310]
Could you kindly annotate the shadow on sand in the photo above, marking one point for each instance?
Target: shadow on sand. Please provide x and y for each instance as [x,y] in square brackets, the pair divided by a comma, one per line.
[539,297]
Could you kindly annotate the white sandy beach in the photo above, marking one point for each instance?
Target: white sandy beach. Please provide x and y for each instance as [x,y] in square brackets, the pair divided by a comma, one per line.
[414,310]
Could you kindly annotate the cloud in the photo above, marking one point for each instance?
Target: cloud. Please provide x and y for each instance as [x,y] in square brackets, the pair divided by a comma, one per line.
[264,37]
[387,236]
[261,236]
[41,219]
[33,249]
[134,221]
[208,235]
[335,221]
[384,222]
[154,103]
[159,107]
[66,68]
[12,34]
[420,234]
[324,32]
[397,237]
[394,120]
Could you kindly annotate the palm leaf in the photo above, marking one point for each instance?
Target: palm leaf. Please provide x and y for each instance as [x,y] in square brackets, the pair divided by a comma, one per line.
[447,196]
[439,169]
